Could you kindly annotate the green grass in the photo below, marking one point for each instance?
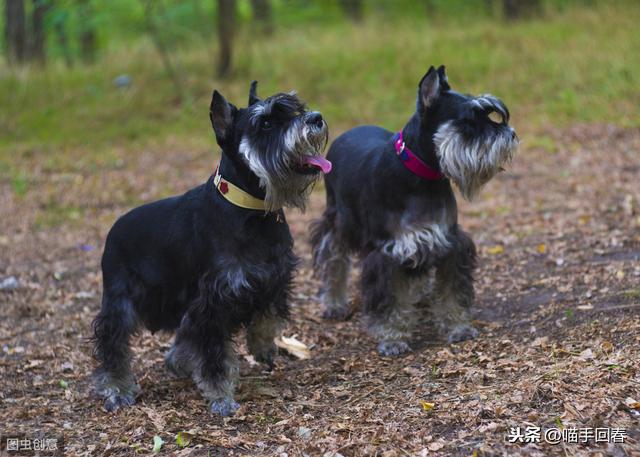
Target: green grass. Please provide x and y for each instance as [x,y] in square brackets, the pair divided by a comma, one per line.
[53,215]
[579,65]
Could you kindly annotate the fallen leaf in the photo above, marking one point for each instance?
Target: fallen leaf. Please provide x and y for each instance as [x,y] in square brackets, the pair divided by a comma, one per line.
[304,433]
[84,295]
[493,250]
[183,439]
[426,406]
[158,421]
[33,364]
[256,391]
[606,346]
[157,444]
[542,248]
[252,361]
[540,341]
[587,354]
[294,347]
[490,427]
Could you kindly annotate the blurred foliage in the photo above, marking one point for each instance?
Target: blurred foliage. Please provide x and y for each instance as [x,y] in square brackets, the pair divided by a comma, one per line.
[119,22]
[576,63]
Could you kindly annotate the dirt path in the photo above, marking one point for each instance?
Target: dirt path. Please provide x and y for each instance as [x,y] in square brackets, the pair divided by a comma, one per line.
[558,305]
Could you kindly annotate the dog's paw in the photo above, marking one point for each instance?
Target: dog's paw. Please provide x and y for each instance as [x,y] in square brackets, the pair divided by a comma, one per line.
[117,401]
[339,313]
[392,348]
[224,407]
[266,355]
[462,332]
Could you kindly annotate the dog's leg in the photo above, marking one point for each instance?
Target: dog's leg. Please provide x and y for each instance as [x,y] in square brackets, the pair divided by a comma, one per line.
[204,347]
[334,265]
[112,328]
[389,297]
[180,360]
[454,293]
[216,377]
[331,263]
[261,332]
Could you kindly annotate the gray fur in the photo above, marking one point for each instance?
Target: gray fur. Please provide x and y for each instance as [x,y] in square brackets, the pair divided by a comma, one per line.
[394,326]
[333,265]
[282,186]
[204,267]
[472,164]
[261,332]
[402,224]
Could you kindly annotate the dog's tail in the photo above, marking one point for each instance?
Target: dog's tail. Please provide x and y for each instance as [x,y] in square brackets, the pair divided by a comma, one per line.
[321,230]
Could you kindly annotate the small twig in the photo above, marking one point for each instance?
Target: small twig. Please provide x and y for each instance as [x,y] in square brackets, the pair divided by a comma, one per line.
[363,395]
[349,444]
[309,404]
[614,308]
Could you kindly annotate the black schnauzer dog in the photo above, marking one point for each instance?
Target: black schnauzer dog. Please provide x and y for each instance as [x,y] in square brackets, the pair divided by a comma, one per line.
[390,202]
[215,259]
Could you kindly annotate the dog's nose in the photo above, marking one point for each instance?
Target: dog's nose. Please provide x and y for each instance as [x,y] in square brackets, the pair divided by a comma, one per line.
[315,119]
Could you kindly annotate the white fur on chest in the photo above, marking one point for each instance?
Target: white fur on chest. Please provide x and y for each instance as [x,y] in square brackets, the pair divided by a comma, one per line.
[412,243]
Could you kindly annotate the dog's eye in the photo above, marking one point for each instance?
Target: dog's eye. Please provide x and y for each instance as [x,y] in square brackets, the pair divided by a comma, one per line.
[496,117]
[265,124]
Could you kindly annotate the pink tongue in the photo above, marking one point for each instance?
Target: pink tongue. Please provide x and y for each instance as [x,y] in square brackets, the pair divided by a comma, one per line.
[318,162]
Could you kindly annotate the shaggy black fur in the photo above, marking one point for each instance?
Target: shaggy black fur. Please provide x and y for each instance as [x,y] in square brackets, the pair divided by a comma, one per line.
[402,226]
[200,265]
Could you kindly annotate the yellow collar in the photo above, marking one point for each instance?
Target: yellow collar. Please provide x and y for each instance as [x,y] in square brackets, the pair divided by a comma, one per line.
[236,195]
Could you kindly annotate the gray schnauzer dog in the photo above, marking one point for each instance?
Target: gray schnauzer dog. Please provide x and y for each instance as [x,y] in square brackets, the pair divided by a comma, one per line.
[390,202]
[214,260]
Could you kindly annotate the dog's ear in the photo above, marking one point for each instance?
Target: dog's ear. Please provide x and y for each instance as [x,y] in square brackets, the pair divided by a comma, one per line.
[253,93]
[429,88]
[444,81]
[221,113]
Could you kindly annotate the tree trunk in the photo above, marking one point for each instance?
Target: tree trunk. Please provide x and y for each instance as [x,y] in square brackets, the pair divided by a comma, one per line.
[518,9]
[353,9]
[226,24]
[489,6]
[262,16]
[38,36]
[61,33]
[163,50]
[15,31]
[431,10]
[87,32]
[511,9]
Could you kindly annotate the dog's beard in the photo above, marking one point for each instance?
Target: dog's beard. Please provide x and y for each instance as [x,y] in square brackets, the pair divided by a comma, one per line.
[470,164]
[278,171]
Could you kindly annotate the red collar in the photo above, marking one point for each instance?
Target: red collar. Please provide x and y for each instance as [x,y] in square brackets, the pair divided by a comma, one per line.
[413,163]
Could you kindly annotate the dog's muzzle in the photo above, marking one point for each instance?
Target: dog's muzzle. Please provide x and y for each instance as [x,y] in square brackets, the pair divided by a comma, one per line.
[472,162]
[315,135]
